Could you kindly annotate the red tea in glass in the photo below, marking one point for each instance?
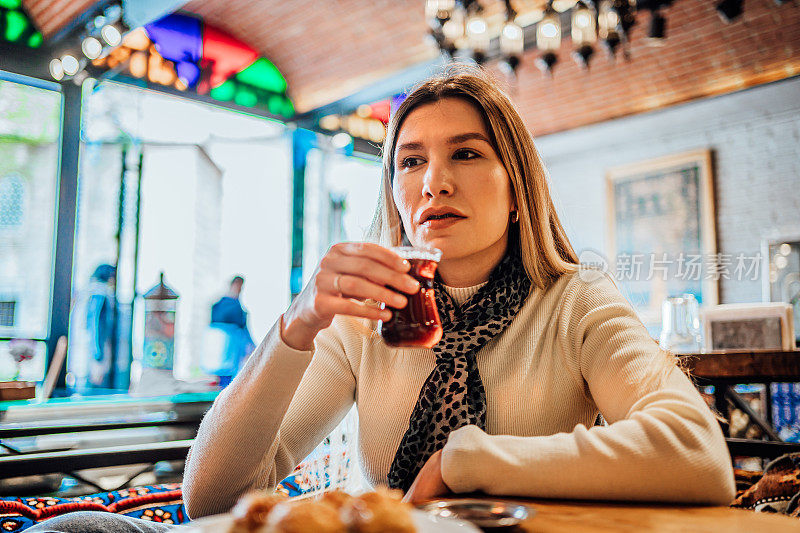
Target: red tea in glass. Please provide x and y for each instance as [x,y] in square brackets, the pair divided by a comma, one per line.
[416,325]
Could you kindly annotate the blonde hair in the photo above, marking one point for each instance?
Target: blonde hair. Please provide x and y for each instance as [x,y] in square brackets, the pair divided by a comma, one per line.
[545,249]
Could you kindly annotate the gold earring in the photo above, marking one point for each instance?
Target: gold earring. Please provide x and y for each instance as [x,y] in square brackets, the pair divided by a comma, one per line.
[514,217]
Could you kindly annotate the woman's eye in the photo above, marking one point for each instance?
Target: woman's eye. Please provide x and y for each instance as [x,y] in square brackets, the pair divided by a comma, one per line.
[409,162]
[465,154]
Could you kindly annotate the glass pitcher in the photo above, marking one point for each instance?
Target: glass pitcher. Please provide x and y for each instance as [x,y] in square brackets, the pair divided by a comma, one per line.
[680,324]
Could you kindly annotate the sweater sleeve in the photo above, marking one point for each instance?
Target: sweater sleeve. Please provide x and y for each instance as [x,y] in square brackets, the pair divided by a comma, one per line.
[280,406]
[662,442]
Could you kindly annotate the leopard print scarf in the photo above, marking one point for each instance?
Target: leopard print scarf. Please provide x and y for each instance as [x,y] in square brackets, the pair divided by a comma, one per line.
[453,395]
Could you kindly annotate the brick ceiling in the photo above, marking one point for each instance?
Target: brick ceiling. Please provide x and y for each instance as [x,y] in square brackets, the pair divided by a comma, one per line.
[52,15]
[330,49]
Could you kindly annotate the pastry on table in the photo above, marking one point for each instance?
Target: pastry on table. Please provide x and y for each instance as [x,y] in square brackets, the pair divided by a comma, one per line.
[250,512]
[306,516]
[381,511]
[336,498]
[332,512]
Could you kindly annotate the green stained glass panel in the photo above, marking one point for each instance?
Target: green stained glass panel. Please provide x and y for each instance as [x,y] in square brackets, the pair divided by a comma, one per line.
[245,97]
[264,75]
[224,92]
[35,40]
[275,105]
[16,23]
[288,108]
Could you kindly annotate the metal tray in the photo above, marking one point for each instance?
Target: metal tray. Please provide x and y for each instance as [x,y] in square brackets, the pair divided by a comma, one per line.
[482,513]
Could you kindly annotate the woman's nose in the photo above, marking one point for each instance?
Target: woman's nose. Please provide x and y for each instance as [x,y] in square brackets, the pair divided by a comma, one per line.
[437,181]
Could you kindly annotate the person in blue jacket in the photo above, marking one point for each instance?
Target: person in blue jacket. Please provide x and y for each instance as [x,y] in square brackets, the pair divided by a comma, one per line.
[100,326]
[228,315]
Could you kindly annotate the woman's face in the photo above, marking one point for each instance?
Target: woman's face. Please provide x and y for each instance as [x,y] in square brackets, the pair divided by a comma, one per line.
[450,187]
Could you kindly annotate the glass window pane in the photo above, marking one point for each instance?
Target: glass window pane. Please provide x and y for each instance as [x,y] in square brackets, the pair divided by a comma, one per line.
[205,194]
[29,150]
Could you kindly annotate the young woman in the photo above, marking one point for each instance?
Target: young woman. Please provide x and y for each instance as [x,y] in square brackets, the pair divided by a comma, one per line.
[533,348]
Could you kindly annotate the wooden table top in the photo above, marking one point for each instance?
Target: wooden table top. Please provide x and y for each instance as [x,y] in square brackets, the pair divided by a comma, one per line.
[579,517]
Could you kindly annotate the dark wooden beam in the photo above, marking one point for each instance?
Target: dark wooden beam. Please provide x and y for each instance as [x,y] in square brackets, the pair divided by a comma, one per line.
[750,366]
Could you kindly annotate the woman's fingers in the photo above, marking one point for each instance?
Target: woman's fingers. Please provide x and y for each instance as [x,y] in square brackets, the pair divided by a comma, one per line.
[344,306]
[372,251]
[369,268]
[350,286]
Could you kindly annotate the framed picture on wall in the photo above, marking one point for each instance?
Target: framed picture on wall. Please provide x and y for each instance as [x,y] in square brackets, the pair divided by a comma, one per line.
[661,231]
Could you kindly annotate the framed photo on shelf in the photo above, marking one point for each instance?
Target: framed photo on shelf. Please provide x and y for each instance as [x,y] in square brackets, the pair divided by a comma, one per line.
[749,326]
[661,231]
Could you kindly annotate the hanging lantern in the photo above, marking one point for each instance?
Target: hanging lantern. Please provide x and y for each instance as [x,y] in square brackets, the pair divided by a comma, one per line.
[512,44]
[160,304]
[453,31]
[610,28]
[478,37]
[548,39]
[584,33]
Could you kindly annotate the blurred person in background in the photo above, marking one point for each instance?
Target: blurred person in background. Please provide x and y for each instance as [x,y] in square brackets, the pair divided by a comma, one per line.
[91,354]
[228,339]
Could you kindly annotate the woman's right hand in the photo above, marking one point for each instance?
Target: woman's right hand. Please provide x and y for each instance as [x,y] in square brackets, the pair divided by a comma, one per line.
[349,274]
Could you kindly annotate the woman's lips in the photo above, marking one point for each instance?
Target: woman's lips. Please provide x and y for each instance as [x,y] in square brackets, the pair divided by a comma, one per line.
[441,223]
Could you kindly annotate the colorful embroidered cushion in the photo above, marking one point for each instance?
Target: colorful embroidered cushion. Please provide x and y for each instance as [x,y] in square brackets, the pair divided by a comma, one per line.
[159,503]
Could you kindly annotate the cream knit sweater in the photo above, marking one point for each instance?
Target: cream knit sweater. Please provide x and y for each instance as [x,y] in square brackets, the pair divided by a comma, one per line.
[575,349]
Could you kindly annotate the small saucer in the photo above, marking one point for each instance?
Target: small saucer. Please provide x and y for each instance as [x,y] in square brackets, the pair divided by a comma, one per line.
[482,513]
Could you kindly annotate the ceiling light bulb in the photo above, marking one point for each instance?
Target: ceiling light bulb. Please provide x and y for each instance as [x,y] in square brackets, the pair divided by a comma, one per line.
[512,40]
[92,48]
[453,29]
[341,140]
[549,30]
[111,35]
[582,19]
[137,65]
[583,26]
[113,12]
[512,31]
[563,5]
[476,26]
[477,35]
[431,9]
[548,39]
[70,64]
[364,111]
[56,69]
[330,122]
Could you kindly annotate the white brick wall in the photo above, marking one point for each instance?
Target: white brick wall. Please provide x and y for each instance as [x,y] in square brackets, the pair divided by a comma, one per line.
[755,138]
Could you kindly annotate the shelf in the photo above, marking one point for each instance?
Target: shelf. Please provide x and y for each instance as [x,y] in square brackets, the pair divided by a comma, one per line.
[745,366]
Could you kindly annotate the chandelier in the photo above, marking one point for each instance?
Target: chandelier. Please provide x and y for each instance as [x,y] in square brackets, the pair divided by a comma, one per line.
[504,29]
